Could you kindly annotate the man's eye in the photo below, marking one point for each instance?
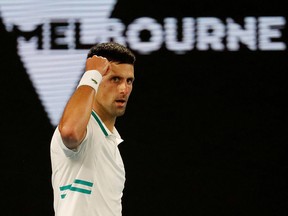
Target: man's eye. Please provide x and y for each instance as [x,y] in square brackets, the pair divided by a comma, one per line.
[115,79]
[130,81]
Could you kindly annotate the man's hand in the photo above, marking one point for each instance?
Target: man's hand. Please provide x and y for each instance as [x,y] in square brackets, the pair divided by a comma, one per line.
[98,63]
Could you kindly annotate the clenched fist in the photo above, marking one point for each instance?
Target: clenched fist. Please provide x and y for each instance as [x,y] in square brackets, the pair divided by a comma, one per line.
[98,63]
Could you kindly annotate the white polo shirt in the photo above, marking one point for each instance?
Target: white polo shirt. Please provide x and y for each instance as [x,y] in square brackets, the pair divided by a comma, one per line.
[90,180]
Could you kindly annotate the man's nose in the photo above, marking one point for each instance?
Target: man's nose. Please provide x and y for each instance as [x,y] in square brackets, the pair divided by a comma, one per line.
[124,88]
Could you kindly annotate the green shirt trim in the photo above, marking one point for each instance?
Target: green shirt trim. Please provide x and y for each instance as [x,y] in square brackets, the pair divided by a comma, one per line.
[100,123]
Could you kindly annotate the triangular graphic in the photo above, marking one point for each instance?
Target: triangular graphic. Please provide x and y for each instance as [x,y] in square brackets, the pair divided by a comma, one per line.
[56,72]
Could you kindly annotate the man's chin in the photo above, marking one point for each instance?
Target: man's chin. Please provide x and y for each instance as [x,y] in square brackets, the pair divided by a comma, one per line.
[120,112]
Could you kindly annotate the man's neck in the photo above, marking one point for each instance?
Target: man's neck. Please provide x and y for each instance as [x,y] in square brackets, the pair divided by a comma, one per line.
[106,119]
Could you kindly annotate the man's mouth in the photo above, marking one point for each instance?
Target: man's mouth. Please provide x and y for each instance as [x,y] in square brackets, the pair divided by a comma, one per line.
[121,102]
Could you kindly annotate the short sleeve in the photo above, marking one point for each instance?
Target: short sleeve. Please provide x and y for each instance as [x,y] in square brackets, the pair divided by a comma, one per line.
[73,152]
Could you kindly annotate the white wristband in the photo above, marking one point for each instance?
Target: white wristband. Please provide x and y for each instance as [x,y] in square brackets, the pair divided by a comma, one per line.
[91,78]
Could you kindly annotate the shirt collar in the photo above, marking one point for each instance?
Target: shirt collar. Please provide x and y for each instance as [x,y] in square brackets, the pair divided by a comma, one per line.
[100,123]
[105,129]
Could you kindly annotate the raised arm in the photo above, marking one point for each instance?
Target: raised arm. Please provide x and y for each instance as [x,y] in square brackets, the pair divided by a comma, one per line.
[73,123]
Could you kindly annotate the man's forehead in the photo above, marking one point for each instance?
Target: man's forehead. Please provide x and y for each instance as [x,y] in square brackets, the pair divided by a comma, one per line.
[117,68]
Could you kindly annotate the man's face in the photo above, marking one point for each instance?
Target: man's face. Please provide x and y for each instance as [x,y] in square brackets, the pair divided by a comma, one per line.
[115,89]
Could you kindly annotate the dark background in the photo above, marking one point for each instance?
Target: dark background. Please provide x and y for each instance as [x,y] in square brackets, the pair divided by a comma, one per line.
[205,132]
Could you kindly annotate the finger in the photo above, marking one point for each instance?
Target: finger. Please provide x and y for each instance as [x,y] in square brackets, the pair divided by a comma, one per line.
[96,56]
[108,68]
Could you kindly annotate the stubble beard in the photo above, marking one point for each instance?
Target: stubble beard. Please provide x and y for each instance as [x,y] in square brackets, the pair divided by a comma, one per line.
[120,112]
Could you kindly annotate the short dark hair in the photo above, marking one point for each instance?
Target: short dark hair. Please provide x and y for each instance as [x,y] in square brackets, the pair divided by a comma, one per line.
[113,52]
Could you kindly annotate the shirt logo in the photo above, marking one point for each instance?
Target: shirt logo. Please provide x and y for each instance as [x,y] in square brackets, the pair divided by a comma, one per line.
[94,81]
